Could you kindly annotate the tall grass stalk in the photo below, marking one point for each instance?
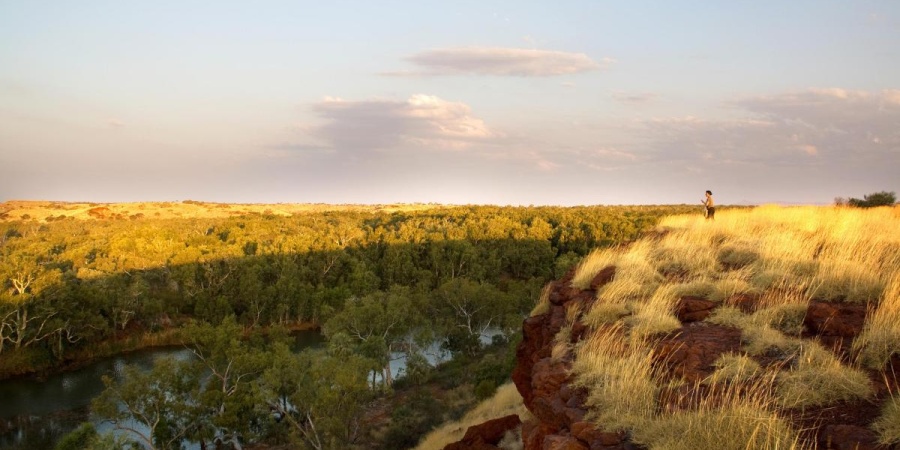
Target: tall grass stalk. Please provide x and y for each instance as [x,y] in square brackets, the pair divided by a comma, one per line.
[880,337]
[591,265]
[731,416]
[819,378]
[621,380]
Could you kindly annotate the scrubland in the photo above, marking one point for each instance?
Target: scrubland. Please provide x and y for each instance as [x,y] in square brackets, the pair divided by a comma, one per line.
[780,259]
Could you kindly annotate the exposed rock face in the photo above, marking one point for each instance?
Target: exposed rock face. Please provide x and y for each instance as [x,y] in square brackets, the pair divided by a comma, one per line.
[486,435]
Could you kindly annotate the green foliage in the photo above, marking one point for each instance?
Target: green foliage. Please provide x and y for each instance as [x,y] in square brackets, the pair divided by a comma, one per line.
[379,283]
[319,396]
[130,276]
[159,400]
[882,198]
[413,419]
[78,439]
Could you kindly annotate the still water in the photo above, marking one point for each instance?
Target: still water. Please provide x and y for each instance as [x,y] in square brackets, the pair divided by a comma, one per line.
[34,414]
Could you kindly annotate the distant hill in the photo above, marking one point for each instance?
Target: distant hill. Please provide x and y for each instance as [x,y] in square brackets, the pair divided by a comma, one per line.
[42,210]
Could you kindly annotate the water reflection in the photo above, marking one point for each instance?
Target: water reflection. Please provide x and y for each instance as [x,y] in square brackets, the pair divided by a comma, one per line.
[35,414]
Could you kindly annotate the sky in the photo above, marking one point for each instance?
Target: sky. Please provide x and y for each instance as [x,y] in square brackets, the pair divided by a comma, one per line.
[463,102]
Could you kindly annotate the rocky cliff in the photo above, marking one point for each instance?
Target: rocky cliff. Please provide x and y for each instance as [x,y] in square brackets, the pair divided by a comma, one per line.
[546,383]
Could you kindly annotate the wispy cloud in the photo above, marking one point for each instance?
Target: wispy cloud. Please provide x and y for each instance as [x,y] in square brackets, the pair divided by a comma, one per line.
[423,122]
[501,61]
[827,126]
[634,98]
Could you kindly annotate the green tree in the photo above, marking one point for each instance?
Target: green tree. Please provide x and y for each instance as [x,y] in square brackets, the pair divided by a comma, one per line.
[882,198]
[159,400]
[226,405]
[322,397]
[379,324]
[468,309]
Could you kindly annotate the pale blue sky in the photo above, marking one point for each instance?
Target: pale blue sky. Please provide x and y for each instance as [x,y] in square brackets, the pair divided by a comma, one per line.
[574,102]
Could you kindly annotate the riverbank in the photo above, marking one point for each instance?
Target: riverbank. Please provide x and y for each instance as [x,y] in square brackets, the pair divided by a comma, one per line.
[39,363]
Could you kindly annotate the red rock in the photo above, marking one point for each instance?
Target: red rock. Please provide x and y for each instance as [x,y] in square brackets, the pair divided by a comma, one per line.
[557,442]
[694,309]
[480,445]
[835,325]
[691,351]
[533,434]
[492,431]
[850,437]
[604,276]
[835,319]
[485,436]
[588,433]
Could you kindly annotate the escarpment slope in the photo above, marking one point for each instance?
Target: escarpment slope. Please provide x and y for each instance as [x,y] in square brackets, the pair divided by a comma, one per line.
[771,328]
[689,354]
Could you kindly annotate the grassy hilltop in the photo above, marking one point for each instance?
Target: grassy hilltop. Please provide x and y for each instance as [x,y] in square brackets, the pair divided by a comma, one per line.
[812,294]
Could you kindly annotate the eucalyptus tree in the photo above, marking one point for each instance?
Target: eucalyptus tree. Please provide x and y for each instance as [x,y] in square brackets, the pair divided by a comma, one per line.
[321,396]
[155,407]
[227,402]
[381,324]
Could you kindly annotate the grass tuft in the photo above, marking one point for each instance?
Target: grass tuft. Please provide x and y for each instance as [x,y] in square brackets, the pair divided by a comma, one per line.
[656,315]
[819,378]
[543,303]
[730,417]
[887,425]
[880,337]
[732,367]
[591,265]
[620,378]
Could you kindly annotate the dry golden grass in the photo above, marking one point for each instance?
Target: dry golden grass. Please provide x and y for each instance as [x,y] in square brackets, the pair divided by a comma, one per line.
[656,315]
[620,378]
[732,367]
[505,401]
[787,257]
[733,417]
[888,423]
[880,337]
[591,265]
[543,303]
[819,378]
[841,254]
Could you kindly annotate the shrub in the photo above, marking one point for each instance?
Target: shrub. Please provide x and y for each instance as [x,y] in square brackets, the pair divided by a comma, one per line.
[79,439]
[882,198]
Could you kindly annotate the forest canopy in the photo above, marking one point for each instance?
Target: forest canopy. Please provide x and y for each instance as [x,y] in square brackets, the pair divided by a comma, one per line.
[68,284]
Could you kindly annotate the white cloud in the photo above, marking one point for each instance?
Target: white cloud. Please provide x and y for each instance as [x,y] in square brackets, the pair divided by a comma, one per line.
[422,121]
[503,61]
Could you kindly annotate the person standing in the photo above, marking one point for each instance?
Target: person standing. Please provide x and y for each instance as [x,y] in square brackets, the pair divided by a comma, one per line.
[710,206]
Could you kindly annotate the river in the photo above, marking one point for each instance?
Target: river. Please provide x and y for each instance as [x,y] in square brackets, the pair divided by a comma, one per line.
[34,414]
